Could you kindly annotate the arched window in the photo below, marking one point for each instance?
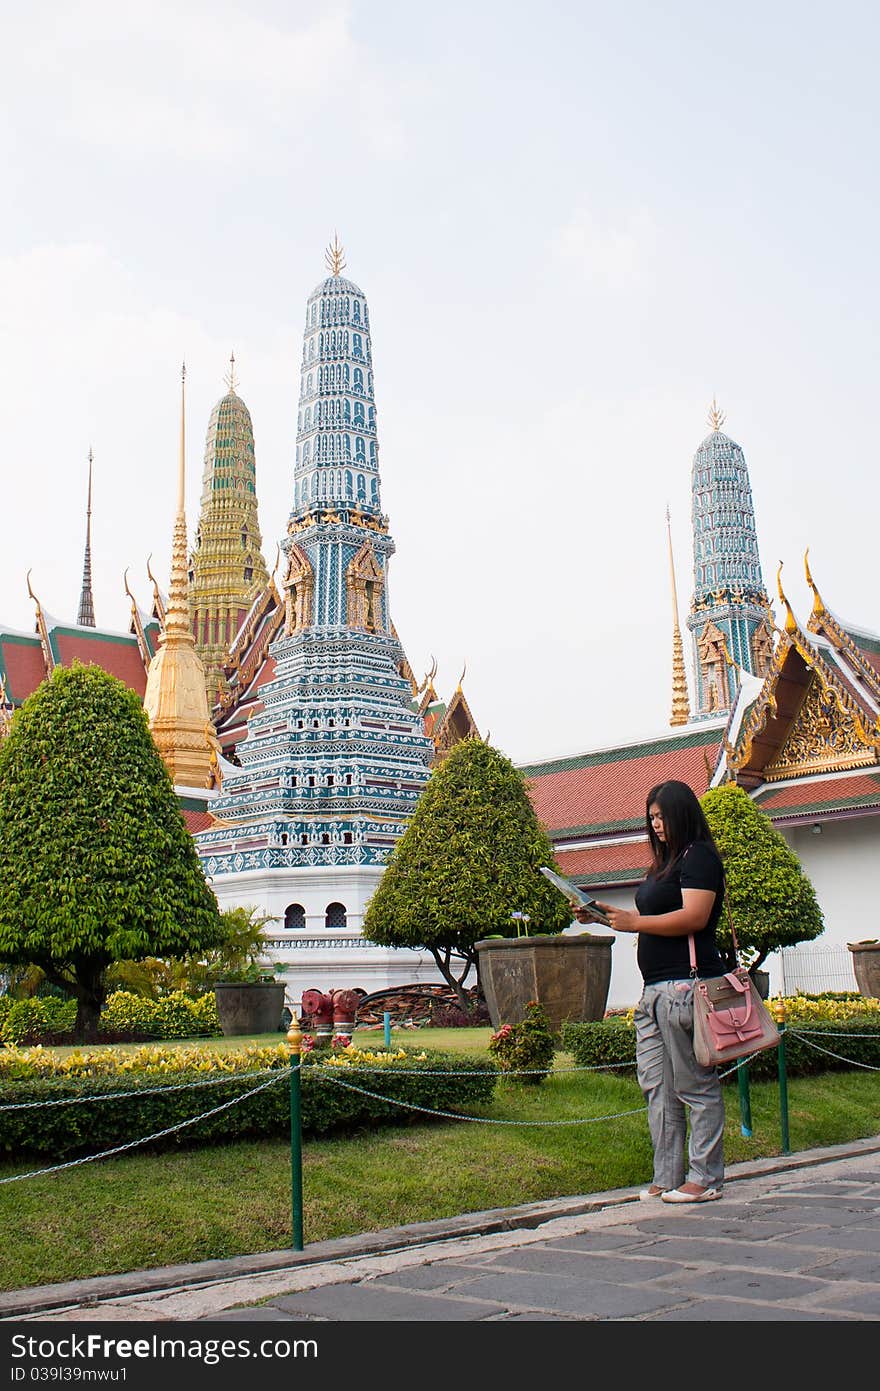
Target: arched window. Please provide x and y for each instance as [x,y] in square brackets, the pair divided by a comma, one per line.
[357,310]
[348,483]
[335,915]
[356,341]
[362,490]
[359,413]
[374,492]
[244,538]
[358,379]
[312,315]
[248,569]
[294,917]
[359,448]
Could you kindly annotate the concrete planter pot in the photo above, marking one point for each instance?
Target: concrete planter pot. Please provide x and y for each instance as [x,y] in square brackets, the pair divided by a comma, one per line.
[569,975]
[866,964]
[249,1007]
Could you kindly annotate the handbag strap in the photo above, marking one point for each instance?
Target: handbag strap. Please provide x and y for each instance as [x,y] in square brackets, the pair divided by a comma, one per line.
[692,946]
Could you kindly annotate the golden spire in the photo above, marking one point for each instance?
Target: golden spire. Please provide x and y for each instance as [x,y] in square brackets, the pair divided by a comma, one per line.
[461,678]
[790,620]
[176,701]
[716,416]
[230,379]
[681,710]
[334,257]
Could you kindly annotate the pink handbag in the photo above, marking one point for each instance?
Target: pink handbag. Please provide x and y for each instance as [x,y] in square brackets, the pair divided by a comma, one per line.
[730,1018]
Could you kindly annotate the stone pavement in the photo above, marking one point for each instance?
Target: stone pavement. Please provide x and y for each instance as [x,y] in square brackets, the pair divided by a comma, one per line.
[793,1239]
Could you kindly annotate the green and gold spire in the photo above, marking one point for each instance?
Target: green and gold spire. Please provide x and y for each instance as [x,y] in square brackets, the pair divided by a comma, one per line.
[226,570]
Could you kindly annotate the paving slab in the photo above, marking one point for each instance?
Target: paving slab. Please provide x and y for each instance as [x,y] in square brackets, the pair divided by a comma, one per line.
[794,1238]
[362,1301]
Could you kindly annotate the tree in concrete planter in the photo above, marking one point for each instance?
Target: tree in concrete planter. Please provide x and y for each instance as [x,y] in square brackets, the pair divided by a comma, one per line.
[468,860]
[772,902]
[96,862]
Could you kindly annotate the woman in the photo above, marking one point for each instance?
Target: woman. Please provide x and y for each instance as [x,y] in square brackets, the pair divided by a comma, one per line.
[681,896]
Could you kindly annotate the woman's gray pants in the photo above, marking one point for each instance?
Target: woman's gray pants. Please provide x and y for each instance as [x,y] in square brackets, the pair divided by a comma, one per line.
[671,1078]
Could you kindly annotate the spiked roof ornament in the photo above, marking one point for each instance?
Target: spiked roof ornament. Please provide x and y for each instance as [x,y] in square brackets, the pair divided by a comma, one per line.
[230,379]
[334,256]
[716,416]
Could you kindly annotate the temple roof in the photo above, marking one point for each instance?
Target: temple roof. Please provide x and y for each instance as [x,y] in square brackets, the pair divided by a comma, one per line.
[603,792]
[23,664]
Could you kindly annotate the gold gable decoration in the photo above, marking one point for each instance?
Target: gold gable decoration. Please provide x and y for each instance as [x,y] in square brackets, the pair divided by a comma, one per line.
[299,585]
[713,661]
[364,581]
[824,737]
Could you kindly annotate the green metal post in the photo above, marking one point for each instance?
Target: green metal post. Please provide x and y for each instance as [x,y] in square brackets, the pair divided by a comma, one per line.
[745,1100]
[779,1013]
[294,1044]
[386,1020]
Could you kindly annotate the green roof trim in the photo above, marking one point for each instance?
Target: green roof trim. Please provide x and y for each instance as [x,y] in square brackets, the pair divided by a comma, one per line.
[625,753]
[194,803]
[594,829]
[613,876]
[864,640]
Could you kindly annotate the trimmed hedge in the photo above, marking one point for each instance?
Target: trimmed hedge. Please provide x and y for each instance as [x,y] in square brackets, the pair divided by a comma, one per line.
[48,1017]
[61,1131]
[857,1040]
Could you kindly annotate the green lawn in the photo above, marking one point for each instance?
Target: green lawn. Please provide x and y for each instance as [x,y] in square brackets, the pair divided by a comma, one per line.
[144,1210]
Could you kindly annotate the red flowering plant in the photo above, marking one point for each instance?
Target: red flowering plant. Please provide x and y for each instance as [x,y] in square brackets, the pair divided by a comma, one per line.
[525,1050]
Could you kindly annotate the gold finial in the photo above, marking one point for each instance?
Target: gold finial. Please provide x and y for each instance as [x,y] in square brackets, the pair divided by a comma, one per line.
[230,379]
[125,583]
[818,606]
[30,591]
[778,1007]
[461,678]
[294,1036]
[790,620]
[334,257]
[716,416]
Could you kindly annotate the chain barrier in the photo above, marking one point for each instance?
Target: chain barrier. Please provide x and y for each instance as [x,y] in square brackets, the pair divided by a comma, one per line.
[145,1139]
[831,1033]
[481,1120]
[137,1091]
[851,1062]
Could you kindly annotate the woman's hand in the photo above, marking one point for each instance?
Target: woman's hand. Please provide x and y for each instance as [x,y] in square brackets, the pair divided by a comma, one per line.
[621,919]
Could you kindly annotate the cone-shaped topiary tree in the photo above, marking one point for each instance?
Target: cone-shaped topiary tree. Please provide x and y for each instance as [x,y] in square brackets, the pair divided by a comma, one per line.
[96,862]
[771,900]
[467,861]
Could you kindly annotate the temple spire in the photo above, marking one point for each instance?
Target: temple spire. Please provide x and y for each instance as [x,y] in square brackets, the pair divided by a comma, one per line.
[86,615]
[716,416]
[175,699]
[681,711]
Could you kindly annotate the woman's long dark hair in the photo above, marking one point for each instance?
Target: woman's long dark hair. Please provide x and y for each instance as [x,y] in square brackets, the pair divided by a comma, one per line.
[684,821]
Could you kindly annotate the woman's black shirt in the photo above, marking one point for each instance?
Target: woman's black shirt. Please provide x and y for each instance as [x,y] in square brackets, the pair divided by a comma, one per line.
[668,958]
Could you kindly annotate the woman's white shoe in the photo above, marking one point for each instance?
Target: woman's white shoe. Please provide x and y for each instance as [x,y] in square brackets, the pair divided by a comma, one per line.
[677,1195]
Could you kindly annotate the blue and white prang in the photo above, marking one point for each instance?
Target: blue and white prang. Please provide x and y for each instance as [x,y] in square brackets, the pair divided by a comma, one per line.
[729,609]
[333,764]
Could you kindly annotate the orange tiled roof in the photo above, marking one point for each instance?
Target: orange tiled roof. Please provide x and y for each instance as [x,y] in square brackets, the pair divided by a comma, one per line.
[118,655]
[21,660]
[605,791]
[812,796]
[606,865]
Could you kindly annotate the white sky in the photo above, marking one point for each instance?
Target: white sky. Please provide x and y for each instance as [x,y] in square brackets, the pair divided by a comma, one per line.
[574,224]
